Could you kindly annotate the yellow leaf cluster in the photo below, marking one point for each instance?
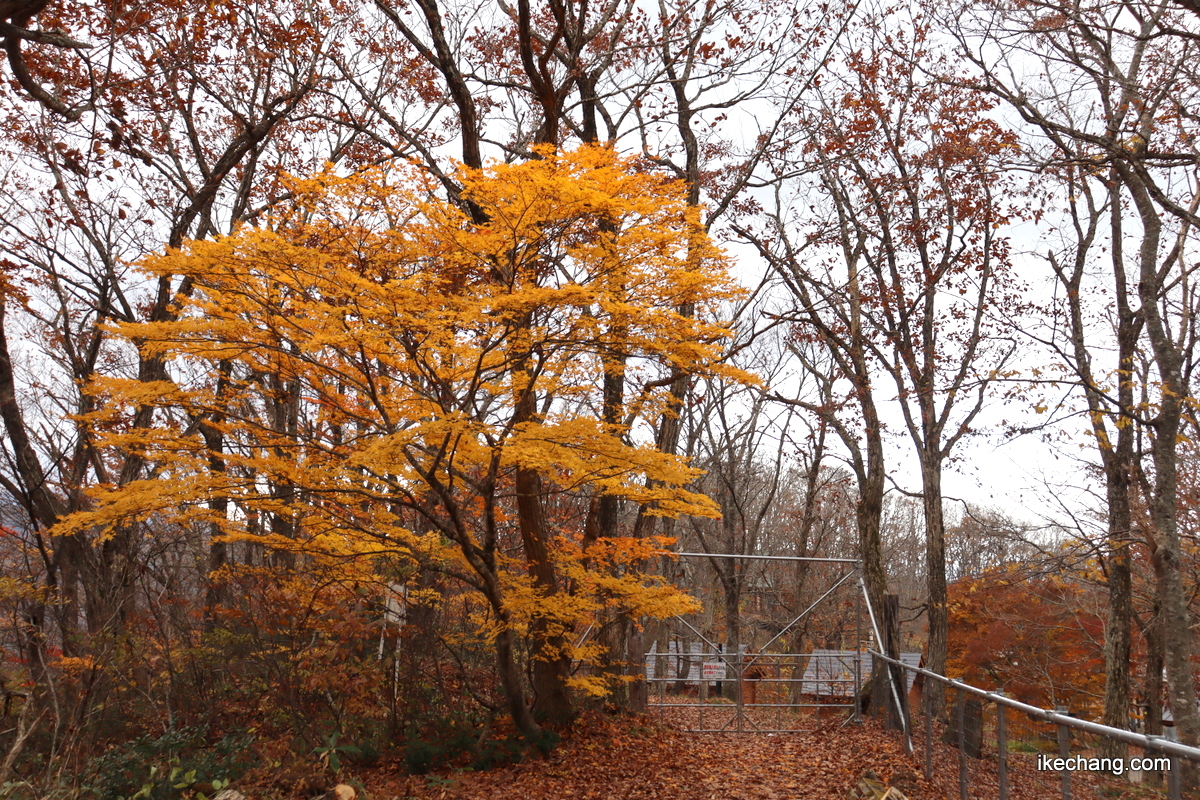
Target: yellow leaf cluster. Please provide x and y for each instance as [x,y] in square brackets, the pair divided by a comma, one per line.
[364,353]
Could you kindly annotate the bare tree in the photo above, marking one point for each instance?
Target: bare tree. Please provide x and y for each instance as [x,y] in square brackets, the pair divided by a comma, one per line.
[1110,105]
[899,281]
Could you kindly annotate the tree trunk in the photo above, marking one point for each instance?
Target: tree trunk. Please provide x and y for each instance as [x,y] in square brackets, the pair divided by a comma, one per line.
[639,691]
[897,718]
[935,566]
[1117,635]
[1169,361]
[1118,474]
[549,662]
[1117,460]
[510,681]
[1152,686]
[869,511]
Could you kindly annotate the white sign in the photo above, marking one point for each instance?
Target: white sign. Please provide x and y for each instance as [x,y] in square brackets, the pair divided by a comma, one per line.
[714,670]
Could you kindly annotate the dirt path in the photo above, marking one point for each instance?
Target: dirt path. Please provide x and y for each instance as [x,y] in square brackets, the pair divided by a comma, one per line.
[630,761]
[624,758]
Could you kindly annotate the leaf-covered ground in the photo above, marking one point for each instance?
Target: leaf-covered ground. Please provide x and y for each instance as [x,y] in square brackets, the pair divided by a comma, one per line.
[624,758]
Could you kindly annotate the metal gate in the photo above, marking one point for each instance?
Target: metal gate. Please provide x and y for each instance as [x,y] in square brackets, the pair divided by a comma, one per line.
[699,683]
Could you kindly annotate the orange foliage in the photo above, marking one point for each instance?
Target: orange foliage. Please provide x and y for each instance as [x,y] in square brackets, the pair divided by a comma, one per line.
[406,336]
[1038,638]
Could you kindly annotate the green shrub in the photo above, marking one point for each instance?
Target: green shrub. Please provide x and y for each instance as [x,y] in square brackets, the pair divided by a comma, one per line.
[499,753]
[167,766]
[421,754]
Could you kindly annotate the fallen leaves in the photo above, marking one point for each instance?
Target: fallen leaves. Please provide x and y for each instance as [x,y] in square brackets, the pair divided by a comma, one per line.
[627,758]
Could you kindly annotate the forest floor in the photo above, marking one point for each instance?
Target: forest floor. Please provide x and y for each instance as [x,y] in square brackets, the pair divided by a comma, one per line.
[637,758]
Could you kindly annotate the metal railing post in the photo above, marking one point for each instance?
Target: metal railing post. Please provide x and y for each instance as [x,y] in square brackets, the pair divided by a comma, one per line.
[858,687]
[908,746]
[1175,752]
[927,702]
[960,717]
[1173,776]
[741,690]
[1002,749]
[1175,781]
[662,684]
[1064,750]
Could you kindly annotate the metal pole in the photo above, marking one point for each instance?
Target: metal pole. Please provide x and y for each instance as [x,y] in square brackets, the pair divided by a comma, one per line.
[927,701]
[804,613]
[663,684]
[775,694]
[1175,781]
[908,748]
[741,689]
[1064,750]
[858,660]
[1155,743]
[1002,749]
[767,558]
[960,715]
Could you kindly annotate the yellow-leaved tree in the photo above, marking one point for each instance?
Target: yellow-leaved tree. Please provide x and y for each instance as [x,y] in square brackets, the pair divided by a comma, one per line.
[379,373]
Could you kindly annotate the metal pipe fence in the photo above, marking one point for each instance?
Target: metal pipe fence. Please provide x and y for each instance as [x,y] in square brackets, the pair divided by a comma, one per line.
[757,686]
[996,743]
[756,692]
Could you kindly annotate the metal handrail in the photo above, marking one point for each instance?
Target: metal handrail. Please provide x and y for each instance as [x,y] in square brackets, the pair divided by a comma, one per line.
[830,654]
[1129,737]
[765,558]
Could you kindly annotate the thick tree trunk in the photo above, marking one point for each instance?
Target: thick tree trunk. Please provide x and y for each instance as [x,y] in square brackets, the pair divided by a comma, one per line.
[1118,474]
[623,645]
[935,567]
[733,619]
[639,690]
[1118,642]
[549,660]
[1118,650]
[869,511]
[510,681]
[550,664]
[897,717]
[483,562]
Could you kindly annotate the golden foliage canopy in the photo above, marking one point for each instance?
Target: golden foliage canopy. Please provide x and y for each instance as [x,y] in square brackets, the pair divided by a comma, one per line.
[354,365]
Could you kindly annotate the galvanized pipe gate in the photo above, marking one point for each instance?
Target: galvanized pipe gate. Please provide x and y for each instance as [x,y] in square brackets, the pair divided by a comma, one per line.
[709,666]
